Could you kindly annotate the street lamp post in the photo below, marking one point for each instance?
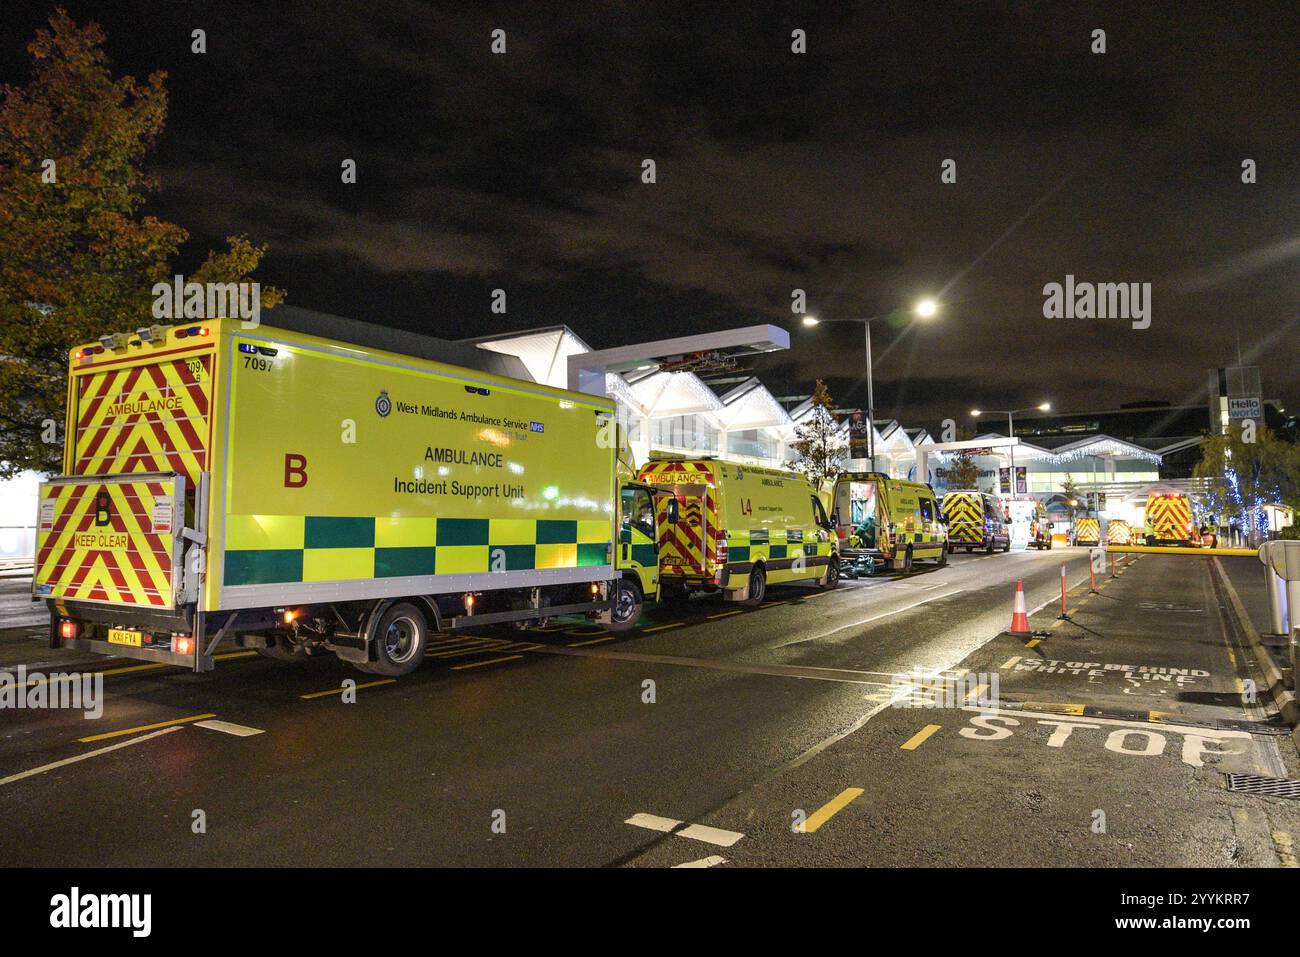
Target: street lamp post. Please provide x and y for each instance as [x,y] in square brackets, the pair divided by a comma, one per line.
[925,309]
[1011,431]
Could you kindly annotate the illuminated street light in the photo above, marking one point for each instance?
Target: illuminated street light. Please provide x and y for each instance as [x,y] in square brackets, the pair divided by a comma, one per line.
[925,309]
[1011,430]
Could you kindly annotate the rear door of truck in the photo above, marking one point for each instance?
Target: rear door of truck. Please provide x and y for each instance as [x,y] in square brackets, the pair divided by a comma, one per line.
[109,544]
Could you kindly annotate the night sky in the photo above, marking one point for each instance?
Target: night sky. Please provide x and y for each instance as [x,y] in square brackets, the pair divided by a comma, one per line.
[776,171]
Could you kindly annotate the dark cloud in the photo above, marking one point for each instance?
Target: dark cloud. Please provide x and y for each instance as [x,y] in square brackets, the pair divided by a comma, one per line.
[775,172]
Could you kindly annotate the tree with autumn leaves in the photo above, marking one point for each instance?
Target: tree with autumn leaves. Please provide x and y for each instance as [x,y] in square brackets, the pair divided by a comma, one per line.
[819,444]
[78,256]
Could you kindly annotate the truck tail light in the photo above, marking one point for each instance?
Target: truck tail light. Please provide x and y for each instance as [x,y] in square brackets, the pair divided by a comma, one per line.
[68,629]
[724,550]
[182,644]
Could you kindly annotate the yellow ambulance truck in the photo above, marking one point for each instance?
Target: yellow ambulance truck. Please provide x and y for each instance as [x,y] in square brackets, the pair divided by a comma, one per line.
[1169,520]
[295,494]
[893,520]
[739,528]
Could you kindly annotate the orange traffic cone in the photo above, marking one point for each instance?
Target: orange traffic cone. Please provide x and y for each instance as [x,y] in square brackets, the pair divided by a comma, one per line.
[1019,617]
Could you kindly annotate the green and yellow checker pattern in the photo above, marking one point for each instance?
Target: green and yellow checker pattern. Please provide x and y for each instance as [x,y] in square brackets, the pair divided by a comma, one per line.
[269,549]
[749,545]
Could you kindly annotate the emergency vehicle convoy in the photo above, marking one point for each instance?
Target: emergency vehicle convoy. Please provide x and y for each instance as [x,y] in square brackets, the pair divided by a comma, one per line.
[297,494]
[738,528]
[975,519]
[893,520]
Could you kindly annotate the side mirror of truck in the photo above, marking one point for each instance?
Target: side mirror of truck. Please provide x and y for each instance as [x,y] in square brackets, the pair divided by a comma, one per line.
[672,510]
[835,519]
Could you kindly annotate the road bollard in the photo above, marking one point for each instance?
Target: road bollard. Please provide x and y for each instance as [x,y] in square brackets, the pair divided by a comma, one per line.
[1112,564]
[1064,611]
[1092,579]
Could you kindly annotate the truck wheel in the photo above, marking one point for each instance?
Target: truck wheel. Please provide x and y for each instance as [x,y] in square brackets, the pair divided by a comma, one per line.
[988,549]
[625,605]
[400,641]
[1007,546]
[757,586]
[832,575]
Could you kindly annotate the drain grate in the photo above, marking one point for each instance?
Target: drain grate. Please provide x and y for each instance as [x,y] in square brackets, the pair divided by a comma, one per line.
[1258,784]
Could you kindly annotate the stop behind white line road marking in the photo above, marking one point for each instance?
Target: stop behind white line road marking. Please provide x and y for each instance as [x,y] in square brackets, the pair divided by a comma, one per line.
[696,832]
[238,730]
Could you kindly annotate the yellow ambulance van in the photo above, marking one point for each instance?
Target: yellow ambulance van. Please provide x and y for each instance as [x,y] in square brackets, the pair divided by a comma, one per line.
[739,527]
[893,520]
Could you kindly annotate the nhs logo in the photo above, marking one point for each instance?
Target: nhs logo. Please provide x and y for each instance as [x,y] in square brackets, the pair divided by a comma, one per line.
[536,427]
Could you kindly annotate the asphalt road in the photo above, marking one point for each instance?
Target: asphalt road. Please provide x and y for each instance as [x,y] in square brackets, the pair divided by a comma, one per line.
[511,748]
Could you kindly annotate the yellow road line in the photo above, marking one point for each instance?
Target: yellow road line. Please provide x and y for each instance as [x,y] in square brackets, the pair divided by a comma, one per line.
[725,614]
[1073,709]
[769,604]
[1009,663]
[1032,642]
[593,641]
[367,684]
[918,739]
[490,661]
[973,695]
[145,727]
[830,809]
[674,624]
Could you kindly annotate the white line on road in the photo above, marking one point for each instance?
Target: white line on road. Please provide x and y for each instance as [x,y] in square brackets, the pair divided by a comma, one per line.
[653,821]
[81,757]
[713,860]
[710,835]
[867,621]
[238,730]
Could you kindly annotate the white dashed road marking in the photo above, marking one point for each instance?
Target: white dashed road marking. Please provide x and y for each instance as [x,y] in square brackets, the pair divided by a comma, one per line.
[710,835]
[711,861]
[238,730]
[653,822]
[696,832]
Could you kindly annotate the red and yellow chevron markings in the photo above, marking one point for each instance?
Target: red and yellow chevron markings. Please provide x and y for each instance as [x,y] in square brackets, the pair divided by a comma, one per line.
[100,544]
[1087,530]
[1170,517]
[144,418]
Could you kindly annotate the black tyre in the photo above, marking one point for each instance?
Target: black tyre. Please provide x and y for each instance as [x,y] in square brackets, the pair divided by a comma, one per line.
[401,637]
[988,549]
[832,575]
[1007,546]
[757,586]
[625,608]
